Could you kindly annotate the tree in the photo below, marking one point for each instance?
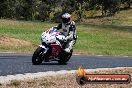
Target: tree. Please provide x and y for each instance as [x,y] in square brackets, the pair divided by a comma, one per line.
[44,10]
[109,7]
[2,10]
[126,3]
[7,8]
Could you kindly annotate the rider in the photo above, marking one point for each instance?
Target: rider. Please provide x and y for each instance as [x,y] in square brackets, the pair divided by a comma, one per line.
[69,30]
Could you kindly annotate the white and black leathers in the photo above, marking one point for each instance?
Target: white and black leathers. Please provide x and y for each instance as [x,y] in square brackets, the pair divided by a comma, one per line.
[69,30]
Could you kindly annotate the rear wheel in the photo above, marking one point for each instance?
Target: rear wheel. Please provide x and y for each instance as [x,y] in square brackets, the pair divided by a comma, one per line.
[37,56]
[64,57]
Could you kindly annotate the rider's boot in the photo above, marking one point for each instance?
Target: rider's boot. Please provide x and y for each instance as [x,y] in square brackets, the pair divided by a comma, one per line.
[67,50]
[69,46]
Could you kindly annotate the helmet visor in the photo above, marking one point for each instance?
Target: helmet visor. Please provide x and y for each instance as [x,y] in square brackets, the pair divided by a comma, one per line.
[65,20]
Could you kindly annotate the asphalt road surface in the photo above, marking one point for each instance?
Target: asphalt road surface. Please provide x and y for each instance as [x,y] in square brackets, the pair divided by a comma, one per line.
[19,64]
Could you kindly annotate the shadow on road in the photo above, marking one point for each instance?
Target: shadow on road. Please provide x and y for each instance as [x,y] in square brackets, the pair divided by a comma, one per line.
[51,63]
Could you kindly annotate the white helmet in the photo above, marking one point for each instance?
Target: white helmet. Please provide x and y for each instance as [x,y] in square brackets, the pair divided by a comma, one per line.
[66,18]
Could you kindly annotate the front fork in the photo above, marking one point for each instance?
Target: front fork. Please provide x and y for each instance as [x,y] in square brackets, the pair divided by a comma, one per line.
[44,53]
[45,48]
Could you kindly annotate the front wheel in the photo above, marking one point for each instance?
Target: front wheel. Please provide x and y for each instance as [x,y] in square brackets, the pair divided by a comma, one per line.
[37,56]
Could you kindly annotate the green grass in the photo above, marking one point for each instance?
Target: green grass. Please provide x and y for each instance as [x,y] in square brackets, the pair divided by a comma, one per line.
[104,40]
[107,39]
[23,30]
[28,31]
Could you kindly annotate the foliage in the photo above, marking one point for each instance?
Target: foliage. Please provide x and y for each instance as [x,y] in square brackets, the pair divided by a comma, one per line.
[41,9]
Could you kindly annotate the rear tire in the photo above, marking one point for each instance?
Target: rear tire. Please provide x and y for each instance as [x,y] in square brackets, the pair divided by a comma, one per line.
[37,56]
[64,57]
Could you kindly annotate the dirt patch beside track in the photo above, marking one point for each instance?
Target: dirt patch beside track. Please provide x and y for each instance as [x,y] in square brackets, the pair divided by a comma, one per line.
[8,41]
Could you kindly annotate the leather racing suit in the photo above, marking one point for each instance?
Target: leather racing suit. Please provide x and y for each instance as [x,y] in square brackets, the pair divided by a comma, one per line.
[69,30]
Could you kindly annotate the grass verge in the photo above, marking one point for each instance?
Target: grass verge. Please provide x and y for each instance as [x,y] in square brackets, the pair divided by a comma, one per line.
[106,38]
[14,83]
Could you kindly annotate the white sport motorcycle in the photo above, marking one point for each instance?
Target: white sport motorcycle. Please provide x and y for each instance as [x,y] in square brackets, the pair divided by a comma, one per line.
[51,48]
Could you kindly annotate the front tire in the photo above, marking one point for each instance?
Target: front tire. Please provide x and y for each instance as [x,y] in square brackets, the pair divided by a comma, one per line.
[37,56]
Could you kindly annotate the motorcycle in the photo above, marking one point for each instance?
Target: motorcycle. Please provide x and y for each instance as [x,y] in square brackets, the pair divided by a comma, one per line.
[51,48]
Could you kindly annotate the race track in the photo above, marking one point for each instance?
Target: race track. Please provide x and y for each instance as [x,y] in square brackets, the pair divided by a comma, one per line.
[21,63]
